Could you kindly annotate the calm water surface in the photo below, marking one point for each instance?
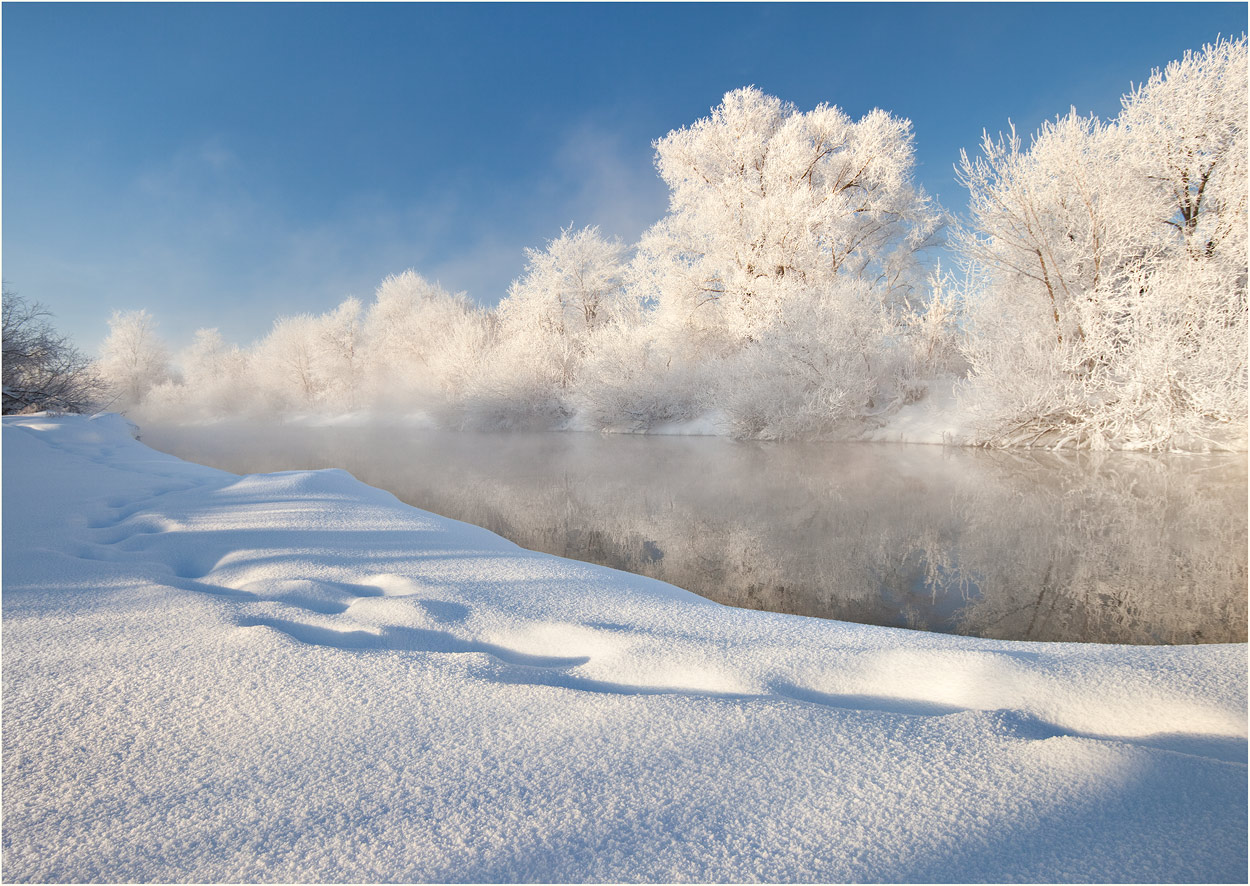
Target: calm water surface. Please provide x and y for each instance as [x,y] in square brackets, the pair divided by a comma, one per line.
[1109,548]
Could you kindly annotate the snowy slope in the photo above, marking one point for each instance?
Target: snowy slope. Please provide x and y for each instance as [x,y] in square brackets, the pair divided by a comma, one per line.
[296,677]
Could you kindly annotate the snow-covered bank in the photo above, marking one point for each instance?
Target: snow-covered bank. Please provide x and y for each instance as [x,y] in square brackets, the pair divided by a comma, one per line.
[295,677]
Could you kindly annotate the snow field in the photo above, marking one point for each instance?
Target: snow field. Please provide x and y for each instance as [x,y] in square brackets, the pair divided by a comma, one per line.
[295,677]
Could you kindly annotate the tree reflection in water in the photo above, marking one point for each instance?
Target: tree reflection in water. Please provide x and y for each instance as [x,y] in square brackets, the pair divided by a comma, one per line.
[1098,547]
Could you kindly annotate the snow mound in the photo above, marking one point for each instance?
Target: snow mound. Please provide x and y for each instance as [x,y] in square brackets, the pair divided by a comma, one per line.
[294,676]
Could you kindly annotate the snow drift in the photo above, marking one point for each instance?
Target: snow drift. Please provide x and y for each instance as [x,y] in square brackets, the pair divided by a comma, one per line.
[295,677]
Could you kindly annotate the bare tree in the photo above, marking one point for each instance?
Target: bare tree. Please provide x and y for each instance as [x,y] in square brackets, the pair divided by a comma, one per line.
[42,368]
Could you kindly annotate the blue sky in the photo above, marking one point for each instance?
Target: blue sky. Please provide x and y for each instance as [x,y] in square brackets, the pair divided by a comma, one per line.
[223,164]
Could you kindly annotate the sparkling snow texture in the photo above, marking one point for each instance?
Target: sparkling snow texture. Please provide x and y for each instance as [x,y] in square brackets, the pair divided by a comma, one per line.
[294,676]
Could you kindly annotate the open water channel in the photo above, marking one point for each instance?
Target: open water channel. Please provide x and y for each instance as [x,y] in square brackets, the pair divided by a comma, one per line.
[1022,545]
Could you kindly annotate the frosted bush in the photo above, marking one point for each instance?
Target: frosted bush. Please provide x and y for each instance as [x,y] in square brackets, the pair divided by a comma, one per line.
[638,377]
[814,367]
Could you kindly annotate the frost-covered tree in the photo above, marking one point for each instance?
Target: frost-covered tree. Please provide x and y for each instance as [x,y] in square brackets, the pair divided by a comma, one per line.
[339,354]
[929,330]
[814,367]
[637,376]
[284,364]
[133,359]
[775,212]
[569,288]
[212,382]
[765,199]
[310,361]
[547,327]
[1109,307]
[420,341]
[42,369]
[209,360]
[1191,118]
[1042,218]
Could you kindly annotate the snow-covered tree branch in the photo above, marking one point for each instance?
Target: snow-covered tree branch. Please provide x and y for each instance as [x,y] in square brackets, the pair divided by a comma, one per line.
[42,368]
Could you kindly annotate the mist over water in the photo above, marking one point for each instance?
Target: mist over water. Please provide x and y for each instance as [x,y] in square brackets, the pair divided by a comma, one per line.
[1093,547]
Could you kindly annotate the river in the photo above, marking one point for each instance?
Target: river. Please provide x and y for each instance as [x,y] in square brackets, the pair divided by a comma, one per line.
[1021,545]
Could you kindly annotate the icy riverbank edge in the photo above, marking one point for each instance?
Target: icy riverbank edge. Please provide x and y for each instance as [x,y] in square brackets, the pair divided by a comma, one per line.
[294,676]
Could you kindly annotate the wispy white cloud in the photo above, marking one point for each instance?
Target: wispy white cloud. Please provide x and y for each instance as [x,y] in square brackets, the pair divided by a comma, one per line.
[594,177]
[612,184]
[201,239]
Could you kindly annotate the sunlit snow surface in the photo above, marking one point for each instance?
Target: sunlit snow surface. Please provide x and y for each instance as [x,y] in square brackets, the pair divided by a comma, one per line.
[295,677]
